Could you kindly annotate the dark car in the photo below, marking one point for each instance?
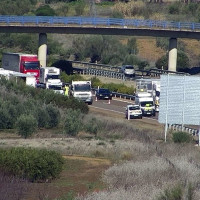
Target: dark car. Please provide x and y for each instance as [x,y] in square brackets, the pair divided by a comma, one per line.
[102,93]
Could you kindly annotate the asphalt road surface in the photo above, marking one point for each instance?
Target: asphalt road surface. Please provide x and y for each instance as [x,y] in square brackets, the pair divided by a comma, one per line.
[116,105]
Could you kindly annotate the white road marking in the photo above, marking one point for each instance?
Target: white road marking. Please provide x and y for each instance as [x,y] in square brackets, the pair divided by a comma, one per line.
[108,109]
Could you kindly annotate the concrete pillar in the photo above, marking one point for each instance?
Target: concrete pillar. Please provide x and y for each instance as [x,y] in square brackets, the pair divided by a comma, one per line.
[172,62]
[42,50]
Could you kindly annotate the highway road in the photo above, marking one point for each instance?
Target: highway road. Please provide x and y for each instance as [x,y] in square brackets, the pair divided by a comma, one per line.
[117,106]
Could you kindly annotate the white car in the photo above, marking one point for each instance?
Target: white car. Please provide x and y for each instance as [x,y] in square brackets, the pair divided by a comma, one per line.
[133,111]
[128,70]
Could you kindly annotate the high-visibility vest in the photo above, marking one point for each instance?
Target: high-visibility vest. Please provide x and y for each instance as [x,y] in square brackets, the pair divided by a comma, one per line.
[66,90]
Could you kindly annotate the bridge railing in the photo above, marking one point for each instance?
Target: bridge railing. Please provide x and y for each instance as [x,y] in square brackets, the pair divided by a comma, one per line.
[124,23]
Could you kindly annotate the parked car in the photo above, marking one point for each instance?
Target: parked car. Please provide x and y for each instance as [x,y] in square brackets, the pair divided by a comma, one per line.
[102,93]
[134,111]
[128,70]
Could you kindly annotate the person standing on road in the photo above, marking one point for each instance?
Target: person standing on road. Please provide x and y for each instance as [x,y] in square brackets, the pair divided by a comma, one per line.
[66,90]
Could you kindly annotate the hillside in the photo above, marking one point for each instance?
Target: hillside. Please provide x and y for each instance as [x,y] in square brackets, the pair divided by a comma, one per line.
[150,52]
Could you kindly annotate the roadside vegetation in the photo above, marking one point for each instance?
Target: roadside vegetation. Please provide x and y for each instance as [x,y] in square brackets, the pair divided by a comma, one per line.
[96,82]
[113,50]
[142,168]
[139,164]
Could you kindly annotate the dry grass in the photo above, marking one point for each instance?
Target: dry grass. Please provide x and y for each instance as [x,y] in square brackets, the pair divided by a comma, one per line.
[142,168]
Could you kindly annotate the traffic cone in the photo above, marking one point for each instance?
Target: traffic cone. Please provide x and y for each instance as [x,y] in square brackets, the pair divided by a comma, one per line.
[109,101]
[96,99]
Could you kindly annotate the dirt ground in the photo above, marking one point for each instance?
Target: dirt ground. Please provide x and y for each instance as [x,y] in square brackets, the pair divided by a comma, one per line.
[80,176]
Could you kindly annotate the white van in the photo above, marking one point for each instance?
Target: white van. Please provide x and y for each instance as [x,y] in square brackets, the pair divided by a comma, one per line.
[133,111]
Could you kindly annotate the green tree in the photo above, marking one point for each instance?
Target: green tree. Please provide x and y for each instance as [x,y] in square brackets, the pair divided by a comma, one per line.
[45,10]
[95,47]
[73,122]
[54,115]
[132,46]
[26,125]
[182,61]
[79,7]
[174,8]
[63,10]
[131,60]
[78,47]
[162,63]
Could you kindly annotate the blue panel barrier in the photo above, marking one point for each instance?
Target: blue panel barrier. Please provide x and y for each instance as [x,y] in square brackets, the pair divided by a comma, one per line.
[23,20]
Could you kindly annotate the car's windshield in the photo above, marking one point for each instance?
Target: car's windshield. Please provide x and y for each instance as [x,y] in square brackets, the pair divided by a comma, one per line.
[147,104]
[104,91]
[32,65]
[55,87]
[129,67]
[52,77]
[82,87]
[134,108]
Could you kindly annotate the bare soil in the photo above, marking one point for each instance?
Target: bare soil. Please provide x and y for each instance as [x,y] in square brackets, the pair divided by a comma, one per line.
[80,176]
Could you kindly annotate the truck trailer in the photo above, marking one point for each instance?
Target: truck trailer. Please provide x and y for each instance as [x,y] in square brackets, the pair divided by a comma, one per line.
[23,63]
[50,78]
[82,91]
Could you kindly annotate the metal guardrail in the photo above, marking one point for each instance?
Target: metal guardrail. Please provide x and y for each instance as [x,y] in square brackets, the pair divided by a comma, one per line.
[91,21]
[114,72]
[178,127]
[123,96]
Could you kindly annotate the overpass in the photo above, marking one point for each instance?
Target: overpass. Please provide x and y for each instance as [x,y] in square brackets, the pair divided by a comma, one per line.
[102,26]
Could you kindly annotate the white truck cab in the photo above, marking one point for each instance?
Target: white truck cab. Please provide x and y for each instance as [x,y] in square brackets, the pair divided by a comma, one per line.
[50,77]
[146,102]
[82,90]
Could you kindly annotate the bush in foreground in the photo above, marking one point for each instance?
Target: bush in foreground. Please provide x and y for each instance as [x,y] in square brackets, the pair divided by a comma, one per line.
[32,164]
[181,137]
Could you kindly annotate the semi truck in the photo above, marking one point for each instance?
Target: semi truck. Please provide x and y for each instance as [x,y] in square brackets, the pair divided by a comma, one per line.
[27,78]
[23,63]
[146,102]
[151,86]
[50,79]
[82,90]
[156,94]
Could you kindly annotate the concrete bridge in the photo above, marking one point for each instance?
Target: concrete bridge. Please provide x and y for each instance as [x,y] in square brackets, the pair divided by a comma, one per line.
[100,26]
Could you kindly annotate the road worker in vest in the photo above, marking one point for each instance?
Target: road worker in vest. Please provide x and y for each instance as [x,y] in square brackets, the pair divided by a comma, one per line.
[66,90]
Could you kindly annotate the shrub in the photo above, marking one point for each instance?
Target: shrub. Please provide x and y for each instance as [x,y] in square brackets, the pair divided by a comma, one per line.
[117,14]
[26,125]
[45,10]
[73,122]
[92,126]
[32,164]
[174,8]
[175,193]
[181,137]
[79,8]
[42,117]
[5,118]
[54,116]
